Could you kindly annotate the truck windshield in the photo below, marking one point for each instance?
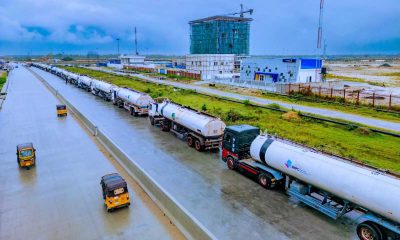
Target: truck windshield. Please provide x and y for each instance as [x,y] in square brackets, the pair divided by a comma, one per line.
[26,153]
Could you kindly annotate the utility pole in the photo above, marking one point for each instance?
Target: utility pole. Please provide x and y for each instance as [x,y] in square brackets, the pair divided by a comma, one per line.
[136,51]
[321,15]
[118,44]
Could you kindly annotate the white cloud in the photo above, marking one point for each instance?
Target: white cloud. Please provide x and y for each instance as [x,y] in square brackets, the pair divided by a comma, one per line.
[287,27]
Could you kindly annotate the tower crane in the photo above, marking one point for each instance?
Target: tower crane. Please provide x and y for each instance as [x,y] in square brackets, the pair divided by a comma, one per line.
[242,11]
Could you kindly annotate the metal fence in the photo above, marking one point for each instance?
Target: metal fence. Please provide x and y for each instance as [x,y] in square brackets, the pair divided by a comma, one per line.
[270,87]
[346,95]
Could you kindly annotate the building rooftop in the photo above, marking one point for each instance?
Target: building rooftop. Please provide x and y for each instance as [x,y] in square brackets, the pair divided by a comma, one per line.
[221,18]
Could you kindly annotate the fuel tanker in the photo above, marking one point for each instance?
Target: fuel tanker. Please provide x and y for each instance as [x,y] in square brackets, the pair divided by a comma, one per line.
[85,82]
[201,130]
[137,103]
[103,89]
[332,185]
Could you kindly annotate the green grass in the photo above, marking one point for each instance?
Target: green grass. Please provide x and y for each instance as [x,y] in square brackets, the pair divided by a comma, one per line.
[3,78]
[379,150]
[395,75]
[344,78]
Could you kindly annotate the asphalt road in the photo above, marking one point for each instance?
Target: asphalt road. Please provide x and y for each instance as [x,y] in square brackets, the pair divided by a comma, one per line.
[373,122]
[61,197]
[230,205]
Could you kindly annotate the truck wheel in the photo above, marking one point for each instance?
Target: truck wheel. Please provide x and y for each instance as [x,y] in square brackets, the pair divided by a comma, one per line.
[136,114]
[264,180]
[165,127]
[198,146]
[231,163]
[190,141]
[152,121]
[369,231]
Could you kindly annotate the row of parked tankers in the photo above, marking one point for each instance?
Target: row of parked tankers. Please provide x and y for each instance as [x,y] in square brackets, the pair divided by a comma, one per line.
[329,184]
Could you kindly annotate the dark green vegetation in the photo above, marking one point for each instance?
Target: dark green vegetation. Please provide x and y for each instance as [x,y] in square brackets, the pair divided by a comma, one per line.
[3,77]
[379,150]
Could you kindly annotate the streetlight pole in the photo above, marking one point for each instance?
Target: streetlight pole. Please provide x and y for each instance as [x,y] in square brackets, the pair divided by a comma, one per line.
[118,44]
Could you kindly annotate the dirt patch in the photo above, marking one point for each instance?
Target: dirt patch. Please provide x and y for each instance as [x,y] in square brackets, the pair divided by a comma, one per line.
[363,131]
[291,116]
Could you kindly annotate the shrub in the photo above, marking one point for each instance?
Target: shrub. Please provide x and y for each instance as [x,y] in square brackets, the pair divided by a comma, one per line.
[204,107]
[274,105]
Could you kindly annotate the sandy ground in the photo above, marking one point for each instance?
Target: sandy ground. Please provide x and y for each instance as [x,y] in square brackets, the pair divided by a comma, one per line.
[371,73]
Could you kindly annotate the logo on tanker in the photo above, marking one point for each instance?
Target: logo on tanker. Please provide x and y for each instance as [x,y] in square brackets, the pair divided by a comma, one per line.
[289,164]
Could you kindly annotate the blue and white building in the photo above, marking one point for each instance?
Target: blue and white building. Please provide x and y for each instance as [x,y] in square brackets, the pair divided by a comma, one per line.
[281,70]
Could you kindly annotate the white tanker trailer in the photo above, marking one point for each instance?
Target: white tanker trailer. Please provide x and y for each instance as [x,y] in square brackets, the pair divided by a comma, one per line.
[85,82]
[137,103]
[329,184]
[72,77]
[103,89]
[201,131]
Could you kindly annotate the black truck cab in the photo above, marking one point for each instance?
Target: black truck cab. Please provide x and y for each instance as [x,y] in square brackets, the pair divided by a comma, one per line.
[237,141]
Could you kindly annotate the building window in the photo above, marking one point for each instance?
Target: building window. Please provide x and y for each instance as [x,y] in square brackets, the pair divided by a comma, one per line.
[215,63]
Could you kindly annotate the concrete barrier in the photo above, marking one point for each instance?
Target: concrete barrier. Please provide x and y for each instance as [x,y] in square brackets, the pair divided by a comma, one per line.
[3,92]
[181,217]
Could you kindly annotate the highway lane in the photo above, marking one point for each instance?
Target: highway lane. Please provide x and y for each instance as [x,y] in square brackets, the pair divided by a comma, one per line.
[61,197]
[228,204]
[369,121]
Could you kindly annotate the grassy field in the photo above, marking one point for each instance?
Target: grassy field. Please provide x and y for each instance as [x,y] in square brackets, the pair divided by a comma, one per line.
[3,77]
[396,75]
[315,102]
[344,78]
[376,149]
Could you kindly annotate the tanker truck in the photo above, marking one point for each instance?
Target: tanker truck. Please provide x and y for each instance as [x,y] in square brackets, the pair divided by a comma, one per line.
[72,77]
[85,83]
[201,130]
[103,89]
[332,185]
[137,103]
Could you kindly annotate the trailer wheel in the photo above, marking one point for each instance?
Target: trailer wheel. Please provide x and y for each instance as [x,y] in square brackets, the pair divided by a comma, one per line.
[189,141]
[135,114]
[165,127]
[197,145]
[152,121]
[264,180]
[231,163]
[131,111]
[369,231]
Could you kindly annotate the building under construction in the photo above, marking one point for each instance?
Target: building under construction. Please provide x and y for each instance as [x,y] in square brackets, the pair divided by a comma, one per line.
[220,35]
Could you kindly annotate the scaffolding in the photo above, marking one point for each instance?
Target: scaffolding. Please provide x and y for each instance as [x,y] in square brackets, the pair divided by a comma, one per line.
[220,35]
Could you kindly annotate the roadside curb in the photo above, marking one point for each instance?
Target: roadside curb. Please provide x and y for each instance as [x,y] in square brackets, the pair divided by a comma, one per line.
[3,92]
[181,217]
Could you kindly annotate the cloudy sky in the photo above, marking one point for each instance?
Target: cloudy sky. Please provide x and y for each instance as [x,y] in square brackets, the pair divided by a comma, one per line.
[280,26]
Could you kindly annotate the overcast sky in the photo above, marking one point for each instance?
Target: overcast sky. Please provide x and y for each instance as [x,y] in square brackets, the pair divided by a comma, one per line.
[286,27]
